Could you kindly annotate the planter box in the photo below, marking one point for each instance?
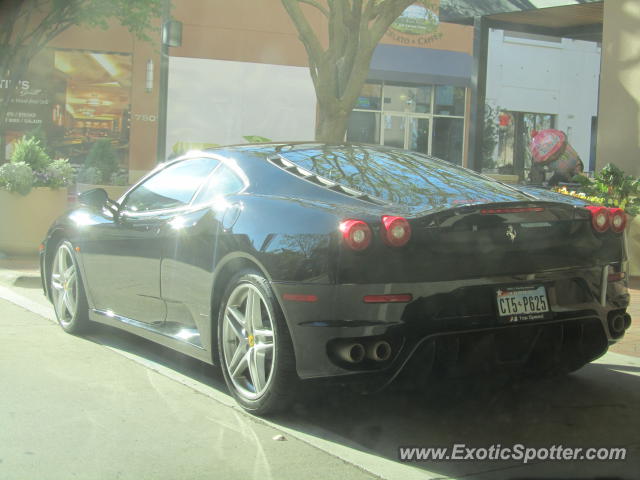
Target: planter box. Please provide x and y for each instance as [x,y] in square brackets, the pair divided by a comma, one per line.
[114,191]
[26,218]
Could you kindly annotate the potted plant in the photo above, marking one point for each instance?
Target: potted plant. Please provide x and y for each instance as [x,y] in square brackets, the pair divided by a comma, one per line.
[611,187]
[33,193]
[101,169]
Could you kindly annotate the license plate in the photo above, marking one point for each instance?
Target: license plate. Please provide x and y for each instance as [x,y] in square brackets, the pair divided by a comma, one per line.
[517,304]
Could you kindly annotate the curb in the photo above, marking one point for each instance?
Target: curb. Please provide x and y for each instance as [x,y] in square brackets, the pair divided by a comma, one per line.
[20,279]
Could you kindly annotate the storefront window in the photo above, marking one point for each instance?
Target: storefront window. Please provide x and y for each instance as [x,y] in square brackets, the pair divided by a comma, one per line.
[407,99]
[96,103]
[427,119]
[448,138]
[71,99]
[514,129]
[364,127]
[449,100]
[369,98]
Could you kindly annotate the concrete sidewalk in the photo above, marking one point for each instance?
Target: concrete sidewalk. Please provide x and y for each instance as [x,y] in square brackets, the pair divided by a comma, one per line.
[25,272]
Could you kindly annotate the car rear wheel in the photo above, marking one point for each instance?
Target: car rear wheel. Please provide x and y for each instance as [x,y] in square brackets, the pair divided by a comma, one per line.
[256,353]
[67,290]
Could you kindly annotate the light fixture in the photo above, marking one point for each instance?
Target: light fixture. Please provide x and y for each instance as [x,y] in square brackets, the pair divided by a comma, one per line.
[149,81]
[172,33]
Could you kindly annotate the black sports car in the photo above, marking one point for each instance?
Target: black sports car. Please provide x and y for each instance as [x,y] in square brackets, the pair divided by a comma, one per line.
[286,262]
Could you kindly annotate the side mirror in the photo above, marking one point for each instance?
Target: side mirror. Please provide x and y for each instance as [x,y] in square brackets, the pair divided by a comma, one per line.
[95,198]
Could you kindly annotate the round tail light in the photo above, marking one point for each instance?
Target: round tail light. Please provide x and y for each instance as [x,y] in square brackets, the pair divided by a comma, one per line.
[356,234]
[617,219]
[600,218]
[396,231]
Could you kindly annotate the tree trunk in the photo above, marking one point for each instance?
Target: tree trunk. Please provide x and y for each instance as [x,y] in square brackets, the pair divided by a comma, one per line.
[332,122]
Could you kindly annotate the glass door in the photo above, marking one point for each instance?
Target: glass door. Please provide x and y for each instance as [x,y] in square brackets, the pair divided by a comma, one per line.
[408,132]
[394,131]
[418,134]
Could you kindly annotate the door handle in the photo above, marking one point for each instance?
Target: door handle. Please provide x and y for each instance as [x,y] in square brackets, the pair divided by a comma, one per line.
[231,215]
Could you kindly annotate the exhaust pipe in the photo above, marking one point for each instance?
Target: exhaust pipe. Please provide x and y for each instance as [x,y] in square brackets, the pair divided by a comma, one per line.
[350,352]
[617,323]
[379,351]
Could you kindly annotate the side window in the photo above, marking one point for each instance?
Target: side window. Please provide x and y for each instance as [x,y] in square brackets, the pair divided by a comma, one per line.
[172,187]
[223,182]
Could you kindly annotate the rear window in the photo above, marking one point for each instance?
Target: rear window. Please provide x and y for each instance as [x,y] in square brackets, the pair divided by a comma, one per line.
[404,178]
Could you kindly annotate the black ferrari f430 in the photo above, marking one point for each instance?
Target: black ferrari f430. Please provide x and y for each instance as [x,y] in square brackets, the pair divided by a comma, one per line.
[288,262]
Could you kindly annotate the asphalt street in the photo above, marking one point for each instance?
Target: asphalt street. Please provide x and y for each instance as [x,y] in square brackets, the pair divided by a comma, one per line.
[109,405]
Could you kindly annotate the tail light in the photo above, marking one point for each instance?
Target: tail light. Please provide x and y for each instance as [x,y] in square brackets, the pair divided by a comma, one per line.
[356,234]
[600,218]
[617,219]
[396,231]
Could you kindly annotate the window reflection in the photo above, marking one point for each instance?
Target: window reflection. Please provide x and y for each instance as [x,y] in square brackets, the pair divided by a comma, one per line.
[403,178]
[172,187]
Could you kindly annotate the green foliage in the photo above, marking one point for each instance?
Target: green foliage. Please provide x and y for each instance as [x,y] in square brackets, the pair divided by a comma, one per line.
[489,136]
[135,15]
[120,178]
[16,177]
[29,151]
[104,159]
[256,139]
[40,134]
[60,174]
[89,175]
[613,188]
[30,166]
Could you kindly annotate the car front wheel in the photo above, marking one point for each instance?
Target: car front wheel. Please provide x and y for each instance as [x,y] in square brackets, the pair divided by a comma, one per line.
[256,353]
[67,290]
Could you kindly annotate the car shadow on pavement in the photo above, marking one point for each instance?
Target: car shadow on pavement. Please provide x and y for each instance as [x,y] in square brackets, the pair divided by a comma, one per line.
[598,406]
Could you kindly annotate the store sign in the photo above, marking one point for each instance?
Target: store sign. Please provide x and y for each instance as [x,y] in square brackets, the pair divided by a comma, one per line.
[30,106]
[417,26]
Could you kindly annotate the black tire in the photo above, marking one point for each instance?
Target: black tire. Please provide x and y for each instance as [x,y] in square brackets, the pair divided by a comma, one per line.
[280,377]
[72,316]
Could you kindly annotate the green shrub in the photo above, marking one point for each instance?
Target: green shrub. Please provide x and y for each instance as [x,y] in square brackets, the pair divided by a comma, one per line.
[613,188]
[60,174]
[103,158]
[29,151]
[16,177]
[89,175]
[120,179]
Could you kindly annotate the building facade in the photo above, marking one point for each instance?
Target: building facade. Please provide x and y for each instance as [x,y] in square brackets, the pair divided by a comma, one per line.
[536,82]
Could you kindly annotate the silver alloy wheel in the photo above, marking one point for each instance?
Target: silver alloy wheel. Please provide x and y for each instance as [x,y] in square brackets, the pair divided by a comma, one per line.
[64,285]
[248,341]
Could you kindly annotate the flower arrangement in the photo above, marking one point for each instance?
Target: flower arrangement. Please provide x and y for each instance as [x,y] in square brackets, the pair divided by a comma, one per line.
[610,187]
[30,166]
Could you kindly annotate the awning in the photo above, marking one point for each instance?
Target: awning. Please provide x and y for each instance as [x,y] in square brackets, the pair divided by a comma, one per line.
[400,64]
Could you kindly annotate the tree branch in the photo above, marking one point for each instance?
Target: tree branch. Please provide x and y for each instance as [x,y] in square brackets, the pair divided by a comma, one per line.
[316,5]
[307,35]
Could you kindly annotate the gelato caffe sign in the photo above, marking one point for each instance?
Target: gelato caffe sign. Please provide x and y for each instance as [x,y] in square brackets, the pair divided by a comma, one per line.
[417,26]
